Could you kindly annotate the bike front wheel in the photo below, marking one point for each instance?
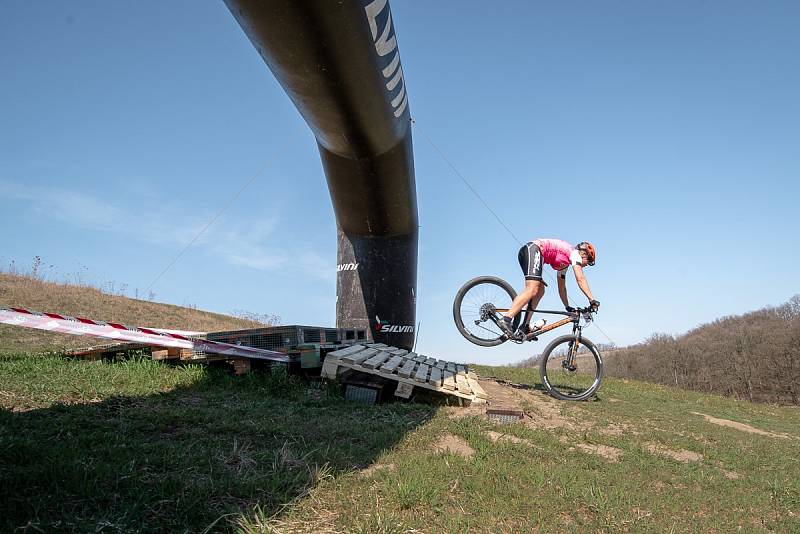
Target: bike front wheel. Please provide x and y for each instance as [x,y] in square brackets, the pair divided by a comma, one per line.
[571,369]
[479,304]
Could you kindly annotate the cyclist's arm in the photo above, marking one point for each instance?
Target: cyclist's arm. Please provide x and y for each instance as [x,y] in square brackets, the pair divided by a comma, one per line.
[582,283]
[561,276]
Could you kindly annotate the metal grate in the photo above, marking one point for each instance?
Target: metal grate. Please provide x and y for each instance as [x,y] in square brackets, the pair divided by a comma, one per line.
[504,415]
[502,418]
[361,394]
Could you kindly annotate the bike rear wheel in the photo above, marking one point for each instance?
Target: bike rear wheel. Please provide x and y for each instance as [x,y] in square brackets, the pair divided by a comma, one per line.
[570,371]
[478,305]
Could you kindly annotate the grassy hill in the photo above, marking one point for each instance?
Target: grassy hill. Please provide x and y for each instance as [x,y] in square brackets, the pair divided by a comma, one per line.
[755,356]
[140,446]
[30,292]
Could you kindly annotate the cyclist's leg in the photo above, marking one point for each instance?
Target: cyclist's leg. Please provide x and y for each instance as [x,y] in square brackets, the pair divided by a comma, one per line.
[530,261]
[538,293]
[534,289]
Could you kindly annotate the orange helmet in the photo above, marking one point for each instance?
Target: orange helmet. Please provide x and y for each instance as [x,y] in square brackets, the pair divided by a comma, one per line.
[588,248]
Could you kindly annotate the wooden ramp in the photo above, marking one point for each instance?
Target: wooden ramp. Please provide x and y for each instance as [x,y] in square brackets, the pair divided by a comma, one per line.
[408,369]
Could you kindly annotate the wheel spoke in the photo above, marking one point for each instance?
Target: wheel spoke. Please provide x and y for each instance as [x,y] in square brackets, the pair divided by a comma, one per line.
[474,307]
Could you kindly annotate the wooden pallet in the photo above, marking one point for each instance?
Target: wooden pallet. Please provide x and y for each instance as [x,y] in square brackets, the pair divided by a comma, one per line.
[157,353]
[409,369]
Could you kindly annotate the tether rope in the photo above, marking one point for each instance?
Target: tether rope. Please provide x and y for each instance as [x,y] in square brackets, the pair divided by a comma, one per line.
[270,160]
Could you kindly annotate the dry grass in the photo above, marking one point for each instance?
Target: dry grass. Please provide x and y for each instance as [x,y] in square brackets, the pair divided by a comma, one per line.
[30,292]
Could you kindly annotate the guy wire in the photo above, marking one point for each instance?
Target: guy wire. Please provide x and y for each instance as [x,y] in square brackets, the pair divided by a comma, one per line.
[270,160]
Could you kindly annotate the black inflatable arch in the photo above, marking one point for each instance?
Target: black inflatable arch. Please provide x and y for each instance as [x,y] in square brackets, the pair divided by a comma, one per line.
[339,63]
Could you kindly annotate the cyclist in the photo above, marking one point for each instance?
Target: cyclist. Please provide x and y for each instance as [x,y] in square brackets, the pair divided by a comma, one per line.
[560,255]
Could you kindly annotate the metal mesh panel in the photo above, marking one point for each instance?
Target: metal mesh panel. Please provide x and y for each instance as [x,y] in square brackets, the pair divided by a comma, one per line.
[360,394]
[503,418]
[311,335]
[271,338]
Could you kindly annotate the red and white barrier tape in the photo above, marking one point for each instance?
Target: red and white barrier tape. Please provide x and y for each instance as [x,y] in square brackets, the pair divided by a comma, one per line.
[64,324]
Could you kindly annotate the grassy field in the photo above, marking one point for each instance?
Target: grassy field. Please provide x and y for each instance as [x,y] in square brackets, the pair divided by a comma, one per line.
[141,446]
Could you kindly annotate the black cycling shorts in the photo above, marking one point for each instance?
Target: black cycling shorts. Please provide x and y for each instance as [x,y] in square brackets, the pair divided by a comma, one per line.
[530,259]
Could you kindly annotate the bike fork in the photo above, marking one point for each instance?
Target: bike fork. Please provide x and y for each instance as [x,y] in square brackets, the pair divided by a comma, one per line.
[569,362]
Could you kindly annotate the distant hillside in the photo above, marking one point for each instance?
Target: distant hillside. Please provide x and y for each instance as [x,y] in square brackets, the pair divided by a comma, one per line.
[39,295]
[754,356]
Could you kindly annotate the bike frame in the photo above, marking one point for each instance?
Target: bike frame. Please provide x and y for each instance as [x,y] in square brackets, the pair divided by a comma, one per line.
[574,318]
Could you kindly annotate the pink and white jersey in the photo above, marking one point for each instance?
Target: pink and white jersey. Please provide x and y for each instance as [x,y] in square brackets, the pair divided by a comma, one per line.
[558,254]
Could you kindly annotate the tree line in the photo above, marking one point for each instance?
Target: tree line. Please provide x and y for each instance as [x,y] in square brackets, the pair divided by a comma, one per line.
[755,356]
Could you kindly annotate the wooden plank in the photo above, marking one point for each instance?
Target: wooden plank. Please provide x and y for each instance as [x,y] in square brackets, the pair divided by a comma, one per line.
[420,358]
[376,345]
[404,390]
[392,365]
[397,352]
[441,364]
[431,362]
[422,373]
[330,366]
[407,369]
[361,357]
[159,354]
[460,369]
[436,377]
[352,349]
[241,366]
[411,381]
[109,348]
[451,367]
[376,361]
[463,385]
[477,390]
[449,380]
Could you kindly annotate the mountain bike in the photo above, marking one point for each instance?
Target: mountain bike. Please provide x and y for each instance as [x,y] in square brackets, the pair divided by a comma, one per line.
[571,365]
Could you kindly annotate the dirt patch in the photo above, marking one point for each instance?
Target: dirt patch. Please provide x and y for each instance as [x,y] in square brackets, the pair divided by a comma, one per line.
[740,426]
[618,429]
[681,455]
[374,468]
[611,454]
[497,436]
[454,444]
[541,411]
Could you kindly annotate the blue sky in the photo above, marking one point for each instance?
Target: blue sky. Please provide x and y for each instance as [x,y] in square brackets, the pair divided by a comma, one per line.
[666,133]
